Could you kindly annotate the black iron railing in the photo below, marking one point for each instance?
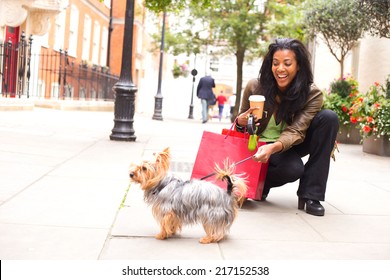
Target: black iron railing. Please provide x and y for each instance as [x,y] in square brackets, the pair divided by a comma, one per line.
[51,74]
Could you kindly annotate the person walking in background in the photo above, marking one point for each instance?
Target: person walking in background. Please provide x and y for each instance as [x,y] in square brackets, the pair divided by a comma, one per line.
[294,125]
[205,93]
[232,103]
[221,99]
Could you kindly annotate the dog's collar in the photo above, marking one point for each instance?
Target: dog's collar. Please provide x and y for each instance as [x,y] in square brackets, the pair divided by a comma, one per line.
[160,186]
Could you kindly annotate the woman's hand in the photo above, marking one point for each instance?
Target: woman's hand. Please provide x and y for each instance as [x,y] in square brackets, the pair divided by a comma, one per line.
[265,151]
[242,119]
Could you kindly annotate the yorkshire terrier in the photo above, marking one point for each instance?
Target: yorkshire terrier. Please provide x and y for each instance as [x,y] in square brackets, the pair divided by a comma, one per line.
[176,202]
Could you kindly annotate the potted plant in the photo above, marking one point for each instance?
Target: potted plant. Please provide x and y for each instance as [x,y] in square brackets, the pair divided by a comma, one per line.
[339,98]
[371,111]
[180,70]
[176,71]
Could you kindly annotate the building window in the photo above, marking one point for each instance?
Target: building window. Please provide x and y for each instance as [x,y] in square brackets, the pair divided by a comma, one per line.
[93,94]
[82,93]
[69,91]
[73,31]
[59,30]
[103,48]
[55,90]
[86,38]
[41,88]
[96,43]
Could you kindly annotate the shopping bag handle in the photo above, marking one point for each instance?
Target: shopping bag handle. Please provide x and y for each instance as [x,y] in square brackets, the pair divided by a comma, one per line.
[231,128]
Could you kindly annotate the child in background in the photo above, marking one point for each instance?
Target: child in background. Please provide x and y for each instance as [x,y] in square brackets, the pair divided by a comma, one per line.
[221,99]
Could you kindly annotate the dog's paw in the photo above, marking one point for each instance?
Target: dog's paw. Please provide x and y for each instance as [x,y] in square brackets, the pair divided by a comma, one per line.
[161,236]
[206,240]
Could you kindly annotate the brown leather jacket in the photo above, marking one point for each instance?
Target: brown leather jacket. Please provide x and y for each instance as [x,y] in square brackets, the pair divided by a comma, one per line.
[295,133]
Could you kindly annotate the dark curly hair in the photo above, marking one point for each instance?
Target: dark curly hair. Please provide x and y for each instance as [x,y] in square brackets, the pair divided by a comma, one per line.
[294,98]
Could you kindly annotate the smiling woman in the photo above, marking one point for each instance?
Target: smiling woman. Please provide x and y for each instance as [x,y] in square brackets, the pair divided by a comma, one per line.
[294,125]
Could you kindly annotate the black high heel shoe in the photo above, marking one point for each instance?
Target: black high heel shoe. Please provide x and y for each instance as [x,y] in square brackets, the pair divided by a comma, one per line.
[313,207]
[264,194]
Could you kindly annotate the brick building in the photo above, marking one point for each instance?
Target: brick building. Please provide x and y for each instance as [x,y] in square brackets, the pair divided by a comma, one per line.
[17,18]
[72,49]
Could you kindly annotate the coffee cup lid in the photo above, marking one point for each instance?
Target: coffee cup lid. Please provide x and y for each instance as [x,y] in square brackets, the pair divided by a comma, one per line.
[257,98]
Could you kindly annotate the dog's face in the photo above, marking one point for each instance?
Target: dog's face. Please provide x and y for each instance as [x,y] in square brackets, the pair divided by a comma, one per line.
[150,172]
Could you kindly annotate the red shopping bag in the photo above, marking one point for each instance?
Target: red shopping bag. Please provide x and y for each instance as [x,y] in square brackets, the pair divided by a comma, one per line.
[264,166]
[214,148]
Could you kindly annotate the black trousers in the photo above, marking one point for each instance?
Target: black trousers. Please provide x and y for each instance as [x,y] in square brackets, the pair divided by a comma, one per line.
[287,167]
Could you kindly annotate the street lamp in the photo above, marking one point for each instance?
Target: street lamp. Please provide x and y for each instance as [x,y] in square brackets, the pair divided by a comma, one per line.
[125,89]
[158,98]
[194,72]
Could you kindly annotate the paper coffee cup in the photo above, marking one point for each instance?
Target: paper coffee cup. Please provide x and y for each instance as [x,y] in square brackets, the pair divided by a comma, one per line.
[258,102]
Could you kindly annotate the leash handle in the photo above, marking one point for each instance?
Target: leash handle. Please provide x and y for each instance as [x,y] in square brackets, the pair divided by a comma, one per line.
[235,164]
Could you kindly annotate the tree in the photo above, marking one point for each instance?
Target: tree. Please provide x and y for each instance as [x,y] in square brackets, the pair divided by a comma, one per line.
[287,20]
[340,22]
[236,27]
[177,42]
[240,27]
[378,11]
[172,5]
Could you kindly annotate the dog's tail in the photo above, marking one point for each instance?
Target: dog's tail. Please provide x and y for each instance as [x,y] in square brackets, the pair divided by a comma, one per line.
[236,183]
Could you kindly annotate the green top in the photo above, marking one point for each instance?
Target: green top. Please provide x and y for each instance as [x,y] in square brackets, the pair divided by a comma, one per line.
[272,131]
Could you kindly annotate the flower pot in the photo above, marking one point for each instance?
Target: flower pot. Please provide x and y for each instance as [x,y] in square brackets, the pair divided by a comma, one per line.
[349,135]
[377,146]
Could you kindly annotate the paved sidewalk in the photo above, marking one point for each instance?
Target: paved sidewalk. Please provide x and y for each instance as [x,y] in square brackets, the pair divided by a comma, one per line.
[65,195]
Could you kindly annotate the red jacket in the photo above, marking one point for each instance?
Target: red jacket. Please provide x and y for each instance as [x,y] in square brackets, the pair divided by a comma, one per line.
[221,99]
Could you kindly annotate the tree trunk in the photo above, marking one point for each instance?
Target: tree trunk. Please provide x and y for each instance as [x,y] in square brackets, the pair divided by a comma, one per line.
[342,67]
[240,62]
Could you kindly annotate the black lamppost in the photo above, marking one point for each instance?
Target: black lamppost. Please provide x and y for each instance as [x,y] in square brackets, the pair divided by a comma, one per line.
[158,98]
[125,89]
[194,72]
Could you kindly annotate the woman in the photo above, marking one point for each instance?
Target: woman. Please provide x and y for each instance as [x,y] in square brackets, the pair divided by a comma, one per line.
[293,124]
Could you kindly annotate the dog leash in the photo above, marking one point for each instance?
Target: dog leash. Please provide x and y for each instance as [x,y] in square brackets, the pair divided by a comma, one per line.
[235,164]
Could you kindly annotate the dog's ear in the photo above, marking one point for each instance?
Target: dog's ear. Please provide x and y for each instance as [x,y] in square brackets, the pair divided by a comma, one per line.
[164,155]
[163,158]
